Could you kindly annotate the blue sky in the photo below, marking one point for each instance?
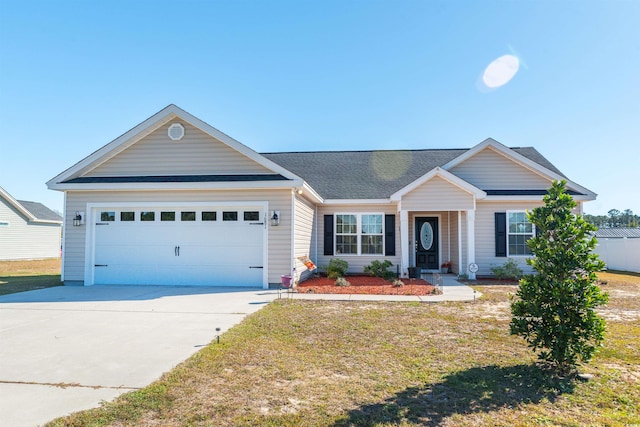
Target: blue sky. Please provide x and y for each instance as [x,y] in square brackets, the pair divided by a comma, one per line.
[325,75]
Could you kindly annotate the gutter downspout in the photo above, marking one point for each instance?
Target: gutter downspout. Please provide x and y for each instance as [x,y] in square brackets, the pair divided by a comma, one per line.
[292,269]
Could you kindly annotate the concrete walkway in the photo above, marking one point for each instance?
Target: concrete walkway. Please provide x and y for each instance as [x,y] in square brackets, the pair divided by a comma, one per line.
[452,290]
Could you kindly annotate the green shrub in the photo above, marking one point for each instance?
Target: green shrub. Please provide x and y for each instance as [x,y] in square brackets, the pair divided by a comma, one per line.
[341,281]
[379,269]
[508,270]
[337,268]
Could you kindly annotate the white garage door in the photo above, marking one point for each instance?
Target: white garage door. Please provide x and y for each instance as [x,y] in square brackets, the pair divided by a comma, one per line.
[179,246]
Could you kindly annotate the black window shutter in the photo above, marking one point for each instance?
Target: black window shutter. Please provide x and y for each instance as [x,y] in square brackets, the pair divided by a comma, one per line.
[501,234]
[328,234]
[389,235]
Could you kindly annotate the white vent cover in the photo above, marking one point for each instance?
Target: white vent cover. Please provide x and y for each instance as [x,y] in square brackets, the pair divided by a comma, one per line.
[176,132]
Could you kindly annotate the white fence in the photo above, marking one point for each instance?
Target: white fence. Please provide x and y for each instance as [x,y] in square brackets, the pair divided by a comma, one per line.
[620,253]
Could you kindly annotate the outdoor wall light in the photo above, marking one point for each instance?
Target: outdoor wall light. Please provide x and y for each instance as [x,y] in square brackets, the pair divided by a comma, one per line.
[78,220]
[275,218]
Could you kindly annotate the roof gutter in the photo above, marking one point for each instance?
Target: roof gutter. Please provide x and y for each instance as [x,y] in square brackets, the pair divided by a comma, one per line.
[136,186]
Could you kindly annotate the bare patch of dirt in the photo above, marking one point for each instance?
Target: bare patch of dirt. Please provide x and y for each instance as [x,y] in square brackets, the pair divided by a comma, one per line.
[619,315]
[629,373]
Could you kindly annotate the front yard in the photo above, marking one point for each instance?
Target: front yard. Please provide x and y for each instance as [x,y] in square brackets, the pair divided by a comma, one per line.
[20,276]
[317,363]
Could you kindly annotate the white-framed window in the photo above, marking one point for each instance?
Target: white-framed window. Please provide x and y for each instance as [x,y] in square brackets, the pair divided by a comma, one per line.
[359,234]
[371,234]
[346,234]
[519,230]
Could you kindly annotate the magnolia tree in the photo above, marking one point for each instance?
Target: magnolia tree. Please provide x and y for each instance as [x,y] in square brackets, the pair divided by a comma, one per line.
[554,309]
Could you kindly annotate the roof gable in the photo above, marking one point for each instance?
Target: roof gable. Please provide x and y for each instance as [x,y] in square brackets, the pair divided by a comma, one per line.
[440,176]
[493,166]
[197,153]
[124,154]
[32,211]
[490,169]
[438,189]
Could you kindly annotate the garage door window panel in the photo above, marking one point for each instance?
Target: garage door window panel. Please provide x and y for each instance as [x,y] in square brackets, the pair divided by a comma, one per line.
[230,216]
[188,216]
[107,216]
[167,216]
[252,216]
[127,216]
[209,216]
[147,216]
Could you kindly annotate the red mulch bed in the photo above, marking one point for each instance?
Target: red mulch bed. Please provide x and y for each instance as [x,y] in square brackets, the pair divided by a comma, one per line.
[366,285]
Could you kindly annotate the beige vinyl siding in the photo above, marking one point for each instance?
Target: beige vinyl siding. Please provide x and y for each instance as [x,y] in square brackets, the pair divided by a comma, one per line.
[356,263]
[452,228]
[489,170]
[196,154]
[485,234]
[303,241]
[437,194]
[279,246]
[22,239]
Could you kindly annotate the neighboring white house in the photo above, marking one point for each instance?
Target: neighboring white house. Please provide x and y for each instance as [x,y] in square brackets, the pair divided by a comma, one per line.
[28,230]
[619,248]
[176,201]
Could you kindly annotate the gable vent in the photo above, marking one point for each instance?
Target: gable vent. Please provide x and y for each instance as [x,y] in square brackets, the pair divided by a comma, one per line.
[176,132]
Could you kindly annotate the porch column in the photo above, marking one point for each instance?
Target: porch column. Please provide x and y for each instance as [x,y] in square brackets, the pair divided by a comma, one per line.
[471,242]
[461,269]
[404,241]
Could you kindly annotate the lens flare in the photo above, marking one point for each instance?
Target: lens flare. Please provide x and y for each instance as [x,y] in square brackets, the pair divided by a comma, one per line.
[500,71]
[390,165]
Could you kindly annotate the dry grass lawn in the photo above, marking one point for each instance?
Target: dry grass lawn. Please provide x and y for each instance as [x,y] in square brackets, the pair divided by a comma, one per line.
[314,363]
[20,276]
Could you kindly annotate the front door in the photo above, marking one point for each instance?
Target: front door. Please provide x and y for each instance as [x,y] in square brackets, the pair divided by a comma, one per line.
[427,243]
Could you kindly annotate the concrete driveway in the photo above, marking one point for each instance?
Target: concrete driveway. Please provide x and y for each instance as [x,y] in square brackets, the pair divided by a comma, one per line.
[65,349]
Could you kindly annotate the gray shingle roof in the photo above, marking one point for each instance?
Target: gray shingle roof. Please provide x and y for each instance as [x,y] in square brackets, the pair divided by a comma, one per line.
[40,211]
[373,174]
[618,233]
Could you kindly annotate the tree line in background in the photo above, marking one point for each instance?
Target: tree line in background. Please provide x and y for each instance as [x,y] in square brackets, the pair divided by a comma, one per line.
[614,218]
